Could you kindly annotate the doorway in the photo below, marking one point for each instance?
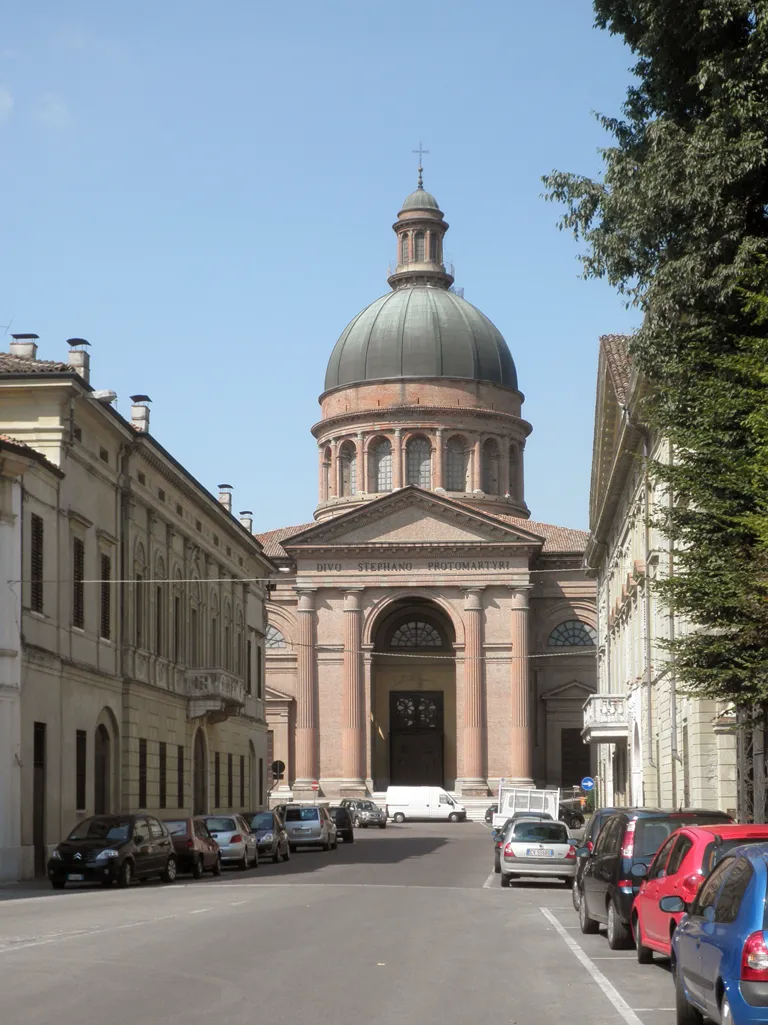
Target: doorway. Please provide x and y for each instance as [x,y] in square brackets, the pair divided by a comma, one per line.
[575,757]
[416,738]
[200,776]
[102,770]
[38,797]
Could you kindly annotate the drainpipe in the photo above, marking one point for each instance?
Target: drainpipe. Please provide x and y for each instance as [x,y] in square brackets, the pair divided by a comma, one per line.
[672,678]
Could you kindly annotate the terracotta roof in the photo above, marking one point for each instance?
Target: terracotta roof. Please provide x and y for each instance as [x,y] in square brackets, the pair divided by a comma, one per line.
[20,365]
[272,538]
[27,450]
[616,350]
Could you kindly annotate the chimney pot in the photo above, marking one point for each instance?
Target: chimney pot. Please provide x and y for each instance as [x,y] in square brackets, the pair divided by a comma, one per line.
[140,412]
[24,346]
[225,496]
[246,519]
[80,358]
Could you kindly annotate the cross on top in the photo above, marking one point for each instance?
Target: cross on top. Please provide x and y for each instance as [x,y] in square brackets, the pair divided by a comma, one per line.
[421,151]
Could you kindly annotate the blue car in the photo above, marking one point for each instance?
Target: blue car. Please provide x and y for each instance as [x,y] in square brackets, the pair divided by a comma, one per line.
[719,949]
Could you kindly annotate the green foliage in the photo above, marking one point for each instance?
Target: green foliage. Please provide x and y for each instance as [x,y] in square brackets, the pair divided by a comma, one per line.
[678,224]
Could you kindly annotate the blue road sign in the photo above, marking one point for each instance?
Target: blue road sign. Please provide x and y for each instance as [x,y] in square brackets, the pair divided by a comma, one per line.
[587,783]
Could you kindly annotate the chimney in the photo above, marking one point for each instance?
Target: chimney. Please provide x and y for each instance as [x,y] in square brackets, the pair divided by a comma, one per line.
[24,346]
[79,357]
[225,496]
[246,518]
[140,412]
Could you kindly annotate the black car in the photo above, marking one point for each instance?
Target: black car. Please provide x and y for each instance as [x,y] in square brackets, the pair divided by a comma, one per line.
[343,821]
[628,840]
[114,849]
[364,813]
[591,833]
[271,837]
[490,811]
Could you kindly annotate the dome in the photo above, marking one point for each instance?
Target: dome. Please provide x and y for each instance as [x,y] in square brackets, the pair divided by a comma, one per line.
[420,331]
[420,200]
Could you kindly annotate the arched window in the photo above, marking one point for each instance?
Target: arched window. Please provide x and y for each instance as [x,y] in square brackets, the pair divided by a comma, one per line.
[457,464]
[326,475]
[416,634]
[418,247]
[491,467]
[419,460]
[194,624]
[431,248]
[227,636]
[139,609]
[214,642]
[160,596]
[404,248]
[380,465]
[240,645]
[348,469]
[273,638]
[573,634]
[513,471]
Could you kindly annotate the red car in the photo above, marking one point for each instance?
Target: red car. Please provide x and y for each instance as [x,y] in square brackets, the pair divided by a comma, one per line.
[680,865]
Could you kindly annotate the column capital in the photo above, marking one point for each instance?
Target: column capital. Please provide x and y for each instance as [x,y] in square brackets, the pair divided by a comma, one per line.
[352,598]
[520,595]
[473,597]
[306,596]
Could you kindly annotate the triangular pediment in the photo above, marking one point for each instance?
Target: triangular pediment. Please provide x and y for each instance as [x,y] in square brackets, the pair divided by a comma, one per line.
[574,690]
[412,516]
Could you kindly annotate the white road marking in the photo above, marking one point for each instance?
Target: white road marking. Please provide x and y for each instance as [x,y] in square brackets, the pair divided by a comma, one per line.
[234,903]
[489,881]
[200,911]
[607,987]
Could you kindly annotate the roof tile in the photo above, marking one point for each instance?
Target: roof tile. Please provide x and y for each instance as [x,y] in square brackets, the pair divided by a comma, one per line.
[616,350]
[10,364]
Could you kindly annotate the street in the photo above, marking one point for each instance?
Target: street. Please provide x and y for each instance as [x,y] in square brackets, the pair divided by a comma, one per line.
[407,925]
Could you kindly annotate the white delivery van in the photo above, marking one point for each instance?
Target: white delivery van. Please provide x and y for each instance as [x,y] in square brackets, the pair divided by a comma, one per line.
[423,803]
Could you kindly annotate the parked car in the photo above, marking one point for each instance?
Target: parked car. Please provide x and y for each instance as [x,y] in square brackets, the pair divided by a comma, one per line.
[196,850]
[364,813]
[719,954]
[591,833]
[627,839]
[310,826]
[271,835]
[489,813]
[114,849]
[678,870]
[572,817]
[344,828]
[535,847]
[235,839]
[500,835]
[423,803]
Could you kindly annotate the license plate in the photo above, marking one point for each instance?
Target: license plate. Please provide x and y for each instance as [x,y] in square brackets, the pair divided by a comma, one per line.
[303,829]
[75,878]
[539,852]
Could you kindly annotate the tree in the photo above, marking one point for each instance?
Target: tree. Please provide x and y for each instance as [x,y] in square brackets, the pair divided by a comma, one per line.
[679,225]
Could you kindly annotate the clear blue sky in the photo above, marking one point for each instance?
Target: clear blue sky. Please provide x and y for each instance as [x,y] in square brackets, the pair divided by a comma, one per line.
[206,193]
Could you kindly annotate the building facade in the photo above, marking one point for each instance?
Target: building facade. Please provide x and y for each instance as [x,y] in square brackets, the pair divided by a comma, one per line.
[133,619]
[655,746]
[423,629]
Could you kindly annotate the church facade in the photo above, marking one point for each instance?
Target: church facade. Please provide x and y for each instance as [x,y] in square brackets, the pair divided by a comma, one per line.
[423,629]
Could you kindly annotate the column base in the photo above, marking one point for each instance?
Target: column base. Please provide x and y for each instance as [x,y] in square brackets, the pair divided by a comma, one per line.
[353,788]
[475,787]
[304,790]
[519,781]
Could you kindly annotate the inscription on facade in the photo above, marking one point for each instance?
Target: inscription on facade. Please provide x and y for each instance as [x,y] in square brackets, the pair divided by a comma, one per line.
[438,566]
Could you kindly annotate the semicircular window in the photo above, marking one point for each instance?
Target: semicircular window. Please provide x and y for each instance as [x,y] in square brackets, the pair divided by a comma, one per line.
[416,634]
[273,638]
[573,634]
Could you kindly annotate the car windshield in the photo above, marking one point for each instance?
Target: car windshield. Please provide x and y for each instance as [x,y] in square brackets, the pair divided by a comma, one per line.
[544,832]
[368,806]
[715,851]
[532,815]
[651,832]
[221,825]
[102,829]
[176,827]
[302,815]
[262,820]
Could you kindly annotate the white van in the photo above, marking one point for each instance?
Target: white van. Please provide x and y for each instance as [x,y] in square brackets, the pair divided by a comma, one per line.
[423,803]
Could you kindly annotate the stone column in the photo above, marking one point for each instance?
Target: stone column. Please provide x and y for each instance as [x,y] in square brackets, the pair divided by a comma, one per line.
[521,762]
[504,481]
[477,465]
[397,460]
[334,488]
[437,476]
[306,693]
[361,484]
[321,474]
[473,783]
[353,736]
[368,715]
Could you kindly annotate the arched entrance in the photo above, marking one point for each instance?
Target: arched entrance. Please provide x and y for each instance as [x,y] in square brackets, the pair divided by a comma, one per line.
[413,699]
[102,770]
[200,775]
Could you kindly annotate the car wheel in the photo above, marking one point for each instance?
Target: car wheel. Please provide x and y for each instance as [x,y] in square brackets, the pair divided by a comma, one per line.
[169,874]
[58,884]
[382,825]
[292,848]
[198,868]
[326,844]
[356,822]
[243,862]
[618,934]
[398,817]
[505,881]
[587,924]
[726,1018]
[644,954]
[255,862]
[350,837]
[453,817]
[575,895]
[685,1013]
[496,862]
[217,866]
[125,878]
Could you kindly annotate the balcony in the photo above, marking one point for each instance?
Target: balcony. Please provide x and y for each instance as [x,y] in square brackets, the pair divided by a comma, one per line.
[605,719]
[213,694]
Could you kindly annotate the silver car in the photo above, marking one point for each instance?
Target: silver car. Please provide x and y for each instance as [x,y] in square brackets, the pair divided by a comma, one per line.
[310,826]
[237,843]
[537,848]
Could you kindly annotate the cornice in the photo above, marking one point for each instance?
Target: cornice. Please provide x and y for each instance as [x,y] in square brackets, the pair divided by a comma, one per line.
[409,414]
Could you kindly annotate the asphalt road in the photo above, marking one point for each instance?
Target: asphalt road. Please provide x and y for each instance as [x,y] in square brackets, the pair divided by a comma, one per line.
[405,926]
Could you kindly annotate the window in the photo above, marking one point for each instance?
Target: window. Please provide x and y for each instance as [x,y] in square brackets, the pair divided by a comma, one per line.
[259,672]
[103,455]
[609,834]
[491,467]
[327,473]
[230,771]
[708,892]
[416,634]
[156,830]
[163,771]
[274,639]
[682,846]
[77,433]
[198,525]
[418,247]
[158,619]
[180,775]
[81,741]
[214,641]
[217,779]
[419,462]
[139,609]
[78,586]
[227,646]
[348,469]
[457,465]
[161,494]
[573,634]
[193,637]
[105,616]
[730,897]
[142,773]
[141,830]
[239,666]
[513,471]
[36,563]
[176,628]
[380,463]
[404,248]
[242,781]
[179,510]
[216,540]
[142,478]
[248,670]
[261,781]
[659,867]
